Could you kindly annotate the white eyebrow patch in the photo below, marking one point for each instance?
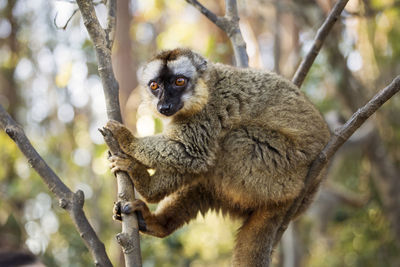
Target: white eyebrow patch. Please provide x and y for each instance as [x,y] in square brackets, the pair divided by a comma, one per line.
[182,66]
[150,71]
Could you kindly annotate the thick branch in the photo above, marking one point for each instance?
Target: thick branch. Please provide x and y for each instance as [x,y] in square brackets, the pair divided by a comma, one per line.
[337,140]
[126,239]
[72,202]
[323,31]
[103,52]
[102,40]
[230,25]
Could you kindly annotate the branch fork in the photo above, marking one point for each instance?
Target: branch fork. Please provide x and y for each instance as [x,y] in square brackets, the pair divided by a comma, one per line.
[71,202]
[230,25]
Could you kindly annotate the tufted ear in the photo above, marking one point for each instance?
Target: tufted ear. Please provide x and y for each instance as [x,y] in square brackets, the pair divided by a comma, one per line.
[139,72]
[200,62]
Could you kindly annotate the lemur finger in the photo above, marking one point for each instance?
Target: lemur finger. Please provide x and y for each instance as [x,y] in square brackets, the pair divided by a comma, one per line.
[115,169]
[117,211]
[117,217]
[117,156]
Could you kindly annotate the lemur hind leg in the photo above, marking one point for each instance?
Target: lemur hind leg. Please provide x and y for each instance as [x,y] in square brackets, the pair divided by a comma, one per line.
[252,247]
[173,211]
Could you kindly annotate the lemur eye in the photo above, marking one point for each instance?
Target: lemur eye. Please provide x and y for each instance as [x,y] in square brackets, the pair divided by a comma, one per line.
[180,82]
[153,85]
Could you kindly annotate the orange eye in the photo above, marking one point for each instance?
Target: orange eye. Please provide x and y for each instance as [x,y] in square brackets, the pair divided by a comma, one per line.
[180,82]
[153,85]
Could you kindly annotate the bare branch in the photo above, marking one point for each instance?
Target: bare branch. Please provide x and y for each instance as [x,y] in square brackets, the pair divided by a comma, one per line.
[127,238]
[111,23]
[66,23]
[341,135]
[323,31]
[72,202]
[209,14]
[103,45]
[230,25]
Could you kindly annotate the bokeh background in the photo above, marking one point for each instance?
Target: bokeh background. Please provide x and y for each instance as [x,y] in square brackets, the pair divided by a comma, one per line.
[49,83]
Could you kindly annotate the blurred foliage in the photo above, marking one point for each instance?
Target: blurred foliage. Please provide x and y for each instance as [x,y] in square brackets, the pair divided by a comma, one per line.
[356,238]
[49,84]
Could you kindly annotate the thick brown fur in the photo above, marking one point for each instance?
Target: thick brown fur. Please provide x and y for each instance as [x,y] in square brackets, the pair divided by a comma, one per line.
[242,143]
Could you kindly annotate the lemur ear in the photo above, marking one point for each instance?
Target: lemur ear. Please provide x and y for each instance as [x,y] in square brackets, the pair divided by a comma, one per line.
[200,62]
[140,75]
[139,72]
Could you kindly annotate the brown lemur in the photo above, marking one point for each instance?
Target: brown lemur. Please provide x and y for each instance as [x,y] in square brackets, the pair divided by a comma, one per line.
[238,141]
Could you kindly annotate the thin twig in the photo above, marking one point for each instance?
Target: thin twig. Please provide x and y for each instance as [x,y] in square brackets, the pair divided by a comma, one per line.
[129,237]
[110,21]
[230,25]
[341,135]
[66,23]
[210,15]
[72,202]
[322,33]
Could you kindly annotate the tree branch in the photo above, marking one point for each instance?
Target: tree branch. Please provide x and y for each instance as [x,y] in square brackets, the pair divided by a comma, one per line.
[210,15]
[111,23]
[336,141]
[66,23]
[72,202]
[323,31]
[230,25]
[102,41]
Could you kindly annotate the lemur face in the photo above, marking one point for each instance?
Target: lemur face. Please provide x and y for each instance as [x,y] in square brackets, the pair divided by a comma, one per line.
[171,79]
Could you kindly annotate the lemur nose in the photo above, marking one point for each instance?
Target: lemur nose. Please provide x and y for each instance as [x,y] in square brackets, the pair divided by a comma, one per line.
[165,109]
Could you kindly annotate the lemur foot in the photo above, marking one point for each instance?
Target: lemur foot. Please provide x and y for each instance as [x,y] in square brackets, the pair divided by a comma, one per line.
[136,206]
[117,211]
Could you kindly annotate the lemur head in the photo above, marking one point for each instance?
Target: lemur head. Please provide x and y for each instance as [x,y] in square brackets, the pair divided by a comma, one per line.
[173,82]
